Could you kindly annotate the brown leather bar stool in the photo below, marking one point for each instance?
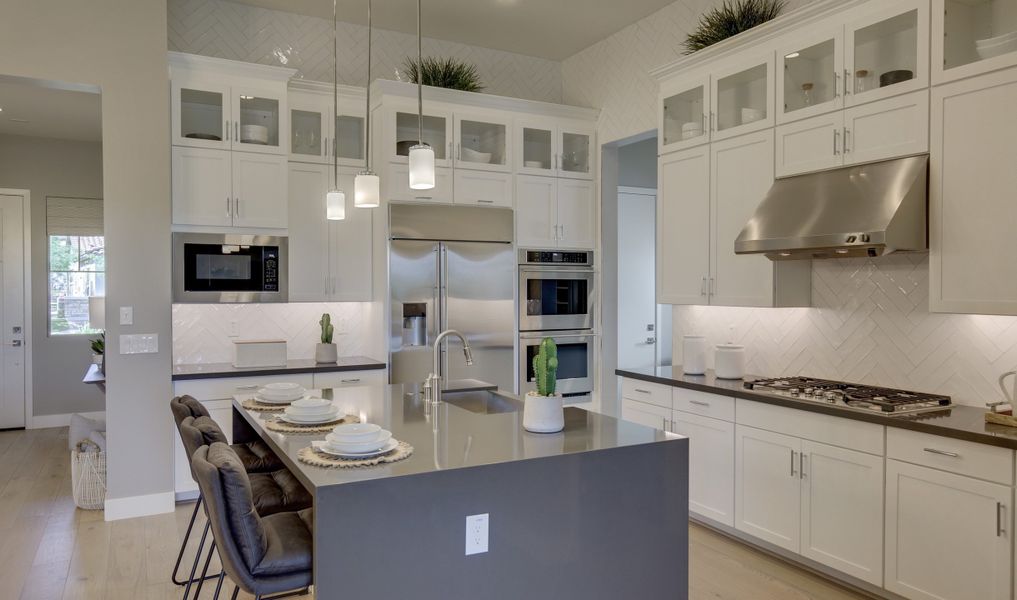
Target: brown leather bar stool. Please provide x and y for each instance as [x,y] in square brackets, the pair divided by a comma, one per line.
[262,555]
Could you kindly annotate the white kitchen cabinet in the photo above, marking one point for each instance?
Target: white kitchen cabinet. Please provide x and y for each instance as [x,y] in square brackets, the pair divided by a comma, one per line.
[554,147]
[482,188]
[576,150]
[684,119]
[396,186]
[260,119]
[971,208]
[711,465]
[202,186]
[767,486]
[960,26]
[342,379]
[842,510]
[344,271]
[238,114]
[810,72]
[200,113]
[649,415]
[947,536]
[400,131]
[890,128]
[483,141]
[555,213]
[883,37]
[683,227]
[314,137]
[742,96]
[259,190]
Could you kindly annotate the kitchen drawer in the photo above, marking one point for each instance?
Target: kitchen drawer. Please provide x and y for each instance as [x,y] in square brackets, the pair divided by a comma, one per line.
[646,414]
[644,391]
[834,431]
[350,378]
[957,456]
[227,387]
[705,404]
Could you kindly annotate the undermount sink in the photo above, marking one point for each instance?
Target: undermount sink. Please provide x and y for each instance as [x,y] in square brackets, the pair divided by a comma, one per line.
[484,402]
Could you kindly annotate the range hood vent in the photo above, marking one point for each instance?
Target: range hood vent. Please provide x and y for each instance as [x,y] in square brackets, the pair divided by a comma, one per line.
[865,210]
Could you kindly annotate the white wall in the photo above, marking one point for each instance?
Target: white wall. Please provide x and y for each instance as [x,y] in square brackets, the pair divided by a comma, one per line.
[48,167]
[242,32]
[120,47]
[637,164]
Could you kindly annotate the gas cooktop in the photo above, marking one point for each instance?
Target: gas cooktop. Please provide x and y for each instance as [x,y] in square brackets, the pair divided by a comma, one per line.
[852,396]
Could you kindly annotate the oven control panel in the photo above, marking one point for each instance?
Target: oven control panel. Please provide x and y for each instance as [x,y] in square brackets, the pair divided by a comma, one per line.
[553,257]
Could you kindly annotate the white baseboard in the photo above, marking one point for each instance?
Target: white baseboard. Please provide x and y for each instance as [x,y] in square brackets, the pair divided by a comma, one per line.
[139,506]
[45,421]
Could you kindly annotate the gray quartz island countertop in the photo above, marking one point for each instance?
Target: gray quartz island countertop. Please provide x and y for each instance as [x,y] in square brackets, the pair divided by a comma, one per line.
[559,507]
[184,372]
[959,421]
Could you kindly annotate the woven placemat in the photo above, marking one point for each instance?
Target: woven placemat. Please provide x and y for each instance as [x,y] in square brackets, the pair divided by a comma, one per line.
[280,426]
[319,459]
[252,404]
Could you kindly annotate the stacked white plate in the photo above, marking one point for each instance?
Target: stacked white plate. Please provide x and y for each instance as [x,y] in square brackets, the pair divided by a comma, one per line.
[280,393]
[310,411]
[994,46]
[357,440]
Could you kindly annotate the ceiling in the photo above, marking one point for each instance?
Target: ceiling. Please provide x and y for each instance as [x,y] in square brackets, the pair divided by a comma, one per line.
[49,112]
[551,29]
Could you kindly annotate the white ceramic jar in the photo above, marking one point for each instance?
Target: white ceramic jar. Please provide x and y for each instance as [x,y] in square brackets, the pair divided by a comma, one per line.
[729,361]
[694,354]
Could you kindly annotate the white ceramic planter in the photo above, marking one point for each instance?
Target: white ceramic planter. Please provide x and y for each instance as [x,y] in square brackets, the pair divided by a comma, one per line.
[326,353]
[543,414]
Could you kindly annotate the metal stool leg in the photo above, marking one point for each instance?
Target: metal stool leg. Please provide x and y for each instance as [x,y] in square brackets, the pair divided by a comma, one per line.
[197,559]
[204,571]
[183,544]
[236,590]
[218,586]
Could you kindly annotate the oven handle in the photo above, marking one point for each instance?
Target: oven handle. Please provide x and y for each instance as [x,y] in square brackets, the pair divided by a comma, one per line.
[539,335]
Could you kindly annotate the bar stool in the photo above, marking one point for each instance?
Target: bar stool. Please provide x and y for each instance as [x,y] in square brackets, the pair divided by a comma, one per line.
[261,554]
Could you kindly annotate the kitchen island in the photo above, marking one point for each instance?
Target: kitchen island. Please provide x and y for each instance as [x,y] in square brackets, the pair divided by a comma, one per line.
[598,510]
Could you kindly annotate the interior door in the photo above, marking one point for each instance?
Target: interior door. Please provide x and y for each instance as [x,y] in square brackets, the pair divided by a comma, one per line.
[637,304]
[479,302]
[12,312]
[413,279]
[767,486]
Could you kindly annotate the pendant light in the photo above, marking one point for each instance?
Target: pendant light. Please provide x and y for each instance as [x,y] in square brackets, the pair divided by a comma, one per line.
[367,185]
[335,199]
[421,155]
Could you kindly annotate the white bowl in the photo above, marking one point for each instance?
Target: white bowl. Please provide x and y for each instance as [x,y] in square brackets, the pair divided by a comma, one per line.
[310,406]
[356,432]
[692,125]
[1006,47]
[533,164]
[996,40]
[751,114]
[691,133]
[472,155]
[380,440]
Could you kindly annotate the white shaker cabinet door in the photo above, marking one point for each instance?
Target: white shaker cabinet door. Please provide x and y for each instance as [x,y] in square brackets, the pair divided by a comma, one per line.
[767,486]
[887,129]
[259,190]
[536,211]
[202,194]
[810,145]
[683,227]
[842,501]
[947,536]
[308,184]
[711,465]
[648,415]
[742,173]
[351,248]
[576,214]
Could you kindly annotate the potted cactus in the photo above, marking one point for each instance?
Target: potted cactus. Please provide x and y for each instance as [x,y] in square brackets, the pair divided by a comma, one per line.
[326,351]
[542,409]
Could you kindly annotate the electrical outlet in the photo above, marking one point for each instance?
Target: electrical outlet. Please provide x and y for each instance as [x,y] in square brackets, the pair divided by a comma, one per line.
[476,534]
[127,315]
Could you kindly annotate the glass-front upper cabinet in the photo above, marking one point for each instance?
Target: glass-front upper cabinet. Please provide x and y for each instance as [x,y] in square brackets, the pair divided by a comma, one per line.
[259,123]
[482,142]
[309,128]
[742,99]
[810,76]
[972,36]
[575,151]
[535,147]
[201,115]
[685,115]
[436,131]
[348,135]
[887,52]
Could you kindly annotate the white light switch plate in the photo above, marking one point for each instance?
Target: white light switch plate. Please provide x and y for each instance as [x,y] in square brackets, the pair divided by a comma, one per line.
[476,534]
[127,315]
[139,343]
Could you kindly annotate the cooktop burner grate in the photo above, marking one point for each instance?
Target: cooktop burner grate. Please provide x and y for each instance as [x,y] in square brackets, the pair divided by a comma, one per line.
[851,395]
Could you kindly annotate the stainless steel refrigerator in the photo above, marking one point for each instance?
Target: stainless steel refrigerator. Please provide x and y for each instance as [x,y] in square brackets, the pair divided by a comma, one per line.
[452,267]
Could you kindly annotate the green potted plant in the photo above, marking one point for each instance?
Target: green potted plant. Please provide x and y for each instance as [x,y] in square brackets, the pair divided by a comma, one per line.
[98,346]
[730,19]
[542,408]
[326,351]
[444,72]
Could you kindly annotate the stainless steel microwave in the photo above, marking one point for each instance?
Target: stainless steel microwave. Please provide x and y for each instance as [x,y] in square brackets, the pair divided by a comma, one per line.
[227,268]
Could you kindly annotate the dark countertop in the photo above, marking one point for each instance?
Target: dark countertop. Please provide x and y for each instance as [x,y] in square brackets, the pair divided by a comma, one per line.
[471,429]
[94,375]
[959,421]
[217,370]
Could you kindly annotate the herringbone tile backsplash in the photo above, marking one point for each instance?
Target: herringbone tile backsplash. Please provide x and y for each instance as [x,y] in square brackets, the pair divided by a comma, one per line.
[871,324]
[241,32]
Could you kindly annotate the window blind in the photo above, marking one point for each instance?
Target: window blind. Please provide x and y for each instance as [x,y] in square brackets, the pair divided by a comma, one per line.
[73,216]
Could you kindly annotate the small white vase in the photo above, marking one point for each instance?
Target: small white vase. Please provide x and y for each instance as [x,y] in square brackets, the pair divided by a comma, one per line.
[326,353]
[543,414]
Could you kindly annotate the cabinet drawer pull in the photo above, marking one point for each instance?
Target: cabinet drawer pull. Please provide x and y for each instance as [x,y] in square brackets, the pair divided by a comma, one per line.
[999,519]
[942,452]
[642,391]
[485,201]
[847,79]
[699,403]
[356,380]
[793,473]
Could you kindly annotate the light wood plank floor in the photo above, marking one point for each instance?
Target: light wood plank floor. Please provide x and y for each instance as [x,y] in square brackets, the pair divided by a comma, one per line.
[51,550]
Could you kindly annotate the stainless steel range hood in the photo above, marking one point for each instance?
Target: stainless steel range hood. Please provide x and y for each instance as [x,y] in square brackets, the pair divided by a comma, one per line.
[865,210]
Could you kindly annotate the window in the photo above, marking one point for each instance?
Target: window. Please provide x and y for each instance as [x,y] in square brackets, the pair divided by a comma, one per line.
[77,263]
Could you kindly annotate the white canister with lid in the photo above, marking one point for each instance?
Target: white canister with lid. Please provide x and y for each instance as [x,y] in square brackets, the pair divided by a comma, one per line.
[729,361]
[694,354]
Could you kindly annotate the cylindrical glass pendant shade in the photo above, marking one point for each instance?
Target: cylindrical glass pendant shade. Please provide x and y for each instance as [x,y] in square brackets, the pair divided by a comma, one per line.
[335,205]
[367,190]
[421,167]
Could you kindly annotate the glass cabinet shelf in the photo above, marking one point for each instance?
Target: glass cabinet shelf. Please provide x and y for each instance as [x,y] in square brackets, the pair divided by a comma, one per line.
[685,116]
[885,53]
[482,143]
[810,76]
[977,30]
[434,133]
[742,98]
[201,114]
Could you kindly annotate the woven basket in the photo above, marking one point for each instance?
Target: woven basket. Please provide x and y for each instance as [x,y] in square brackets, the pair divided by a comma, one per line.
[88,476]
